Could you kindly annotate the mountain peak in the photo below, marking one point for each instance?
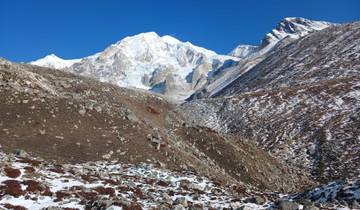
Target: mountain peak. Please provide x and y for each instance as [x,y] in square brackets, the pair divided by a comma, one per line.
[170,40]
[149,37]
[53,61]
[150,34]
[52,55]
[294,27]
[162,64]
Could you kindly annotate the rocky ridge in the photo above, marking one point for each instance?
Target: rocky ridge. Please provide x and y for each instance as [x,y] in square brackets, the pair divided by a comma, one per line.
[300,103]
[285,32]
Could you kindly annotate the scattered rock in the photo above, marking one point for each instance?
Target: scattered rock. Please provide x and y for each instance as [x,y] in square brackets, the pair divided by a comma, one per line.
[13,187]
[131,116]
[179,207]
[108,155]
[9,206]
[182,201]
[21,153]
[287,205]
[256,199]
[82,112]
[310,207]
[12,172]
[156,141]
[42,132]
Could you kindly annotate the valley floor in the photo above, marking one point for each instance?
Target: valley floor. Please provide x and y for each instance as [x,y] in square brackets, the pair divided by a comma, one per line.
[28,183]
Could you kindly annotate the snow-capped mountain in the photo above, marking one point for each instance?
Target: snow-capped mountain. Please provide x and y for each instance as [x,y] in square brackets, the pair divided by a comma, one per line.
[290,27]
[177,69]
[286,31]
[293,27]
[53,61]
[159,63]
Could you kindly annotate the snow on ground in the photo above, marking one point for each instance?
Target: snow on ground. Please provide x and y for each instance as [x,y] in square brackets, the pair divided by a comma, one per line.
[27,183]
[109,185]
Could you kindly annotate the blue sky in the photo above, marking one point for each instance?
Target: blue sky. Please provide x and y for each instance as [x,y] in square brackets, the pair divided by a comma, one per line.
[30,29]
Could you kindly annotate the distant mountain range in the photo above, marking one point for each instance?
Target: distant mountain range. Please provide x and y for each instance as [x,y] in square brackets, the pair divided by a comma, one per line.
[168,66]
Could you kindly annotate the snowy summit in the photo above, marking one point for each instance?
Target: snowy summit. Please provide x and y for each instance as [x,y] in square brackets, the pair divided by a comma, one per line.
[53,61]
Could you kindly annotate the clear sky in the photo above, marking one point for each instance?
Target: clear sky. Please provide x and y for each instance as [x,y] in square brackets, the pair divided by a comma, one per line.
[30,29]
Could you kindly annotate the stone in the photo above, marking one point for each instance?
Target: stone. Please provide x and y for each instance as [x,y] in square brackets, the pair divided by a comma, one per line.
[256,199]
[287,205]
[21,153]
[131,116]
[310,207]
[178,207]
[108,155]
[245,207]
[82,112]
[164,207]
[182,201]
[184,183]
[89,104]
[355,205]
[155,140]
[42,132]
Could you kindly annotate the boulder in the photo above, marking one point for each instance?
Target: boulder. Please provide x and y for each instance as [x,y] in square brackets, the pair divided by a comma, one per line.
[131,116]
[182,201]
[256,199]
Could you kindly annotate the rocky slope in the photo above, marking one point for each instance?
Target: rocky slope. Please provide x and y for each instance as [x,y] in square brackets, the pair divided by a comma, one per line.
[293,27]
[285,32]
[33,183]
[72,119]
[301,103]
[37,184]
[148,61]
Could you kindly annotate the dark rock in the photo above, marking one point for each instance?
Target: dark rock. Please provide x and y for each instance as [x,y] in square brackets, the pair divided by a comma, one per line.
[256,199]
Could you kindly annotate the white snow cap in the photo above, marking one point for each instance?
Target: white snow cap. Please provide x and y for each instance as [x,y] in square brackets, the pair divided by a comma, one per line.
[53,61]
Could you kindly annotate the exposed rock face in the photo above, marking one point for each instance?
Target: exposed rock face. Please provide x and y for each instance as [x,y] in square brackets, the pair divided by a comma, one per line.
[344,192]
[294,27]
[301,103]
[243,51]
